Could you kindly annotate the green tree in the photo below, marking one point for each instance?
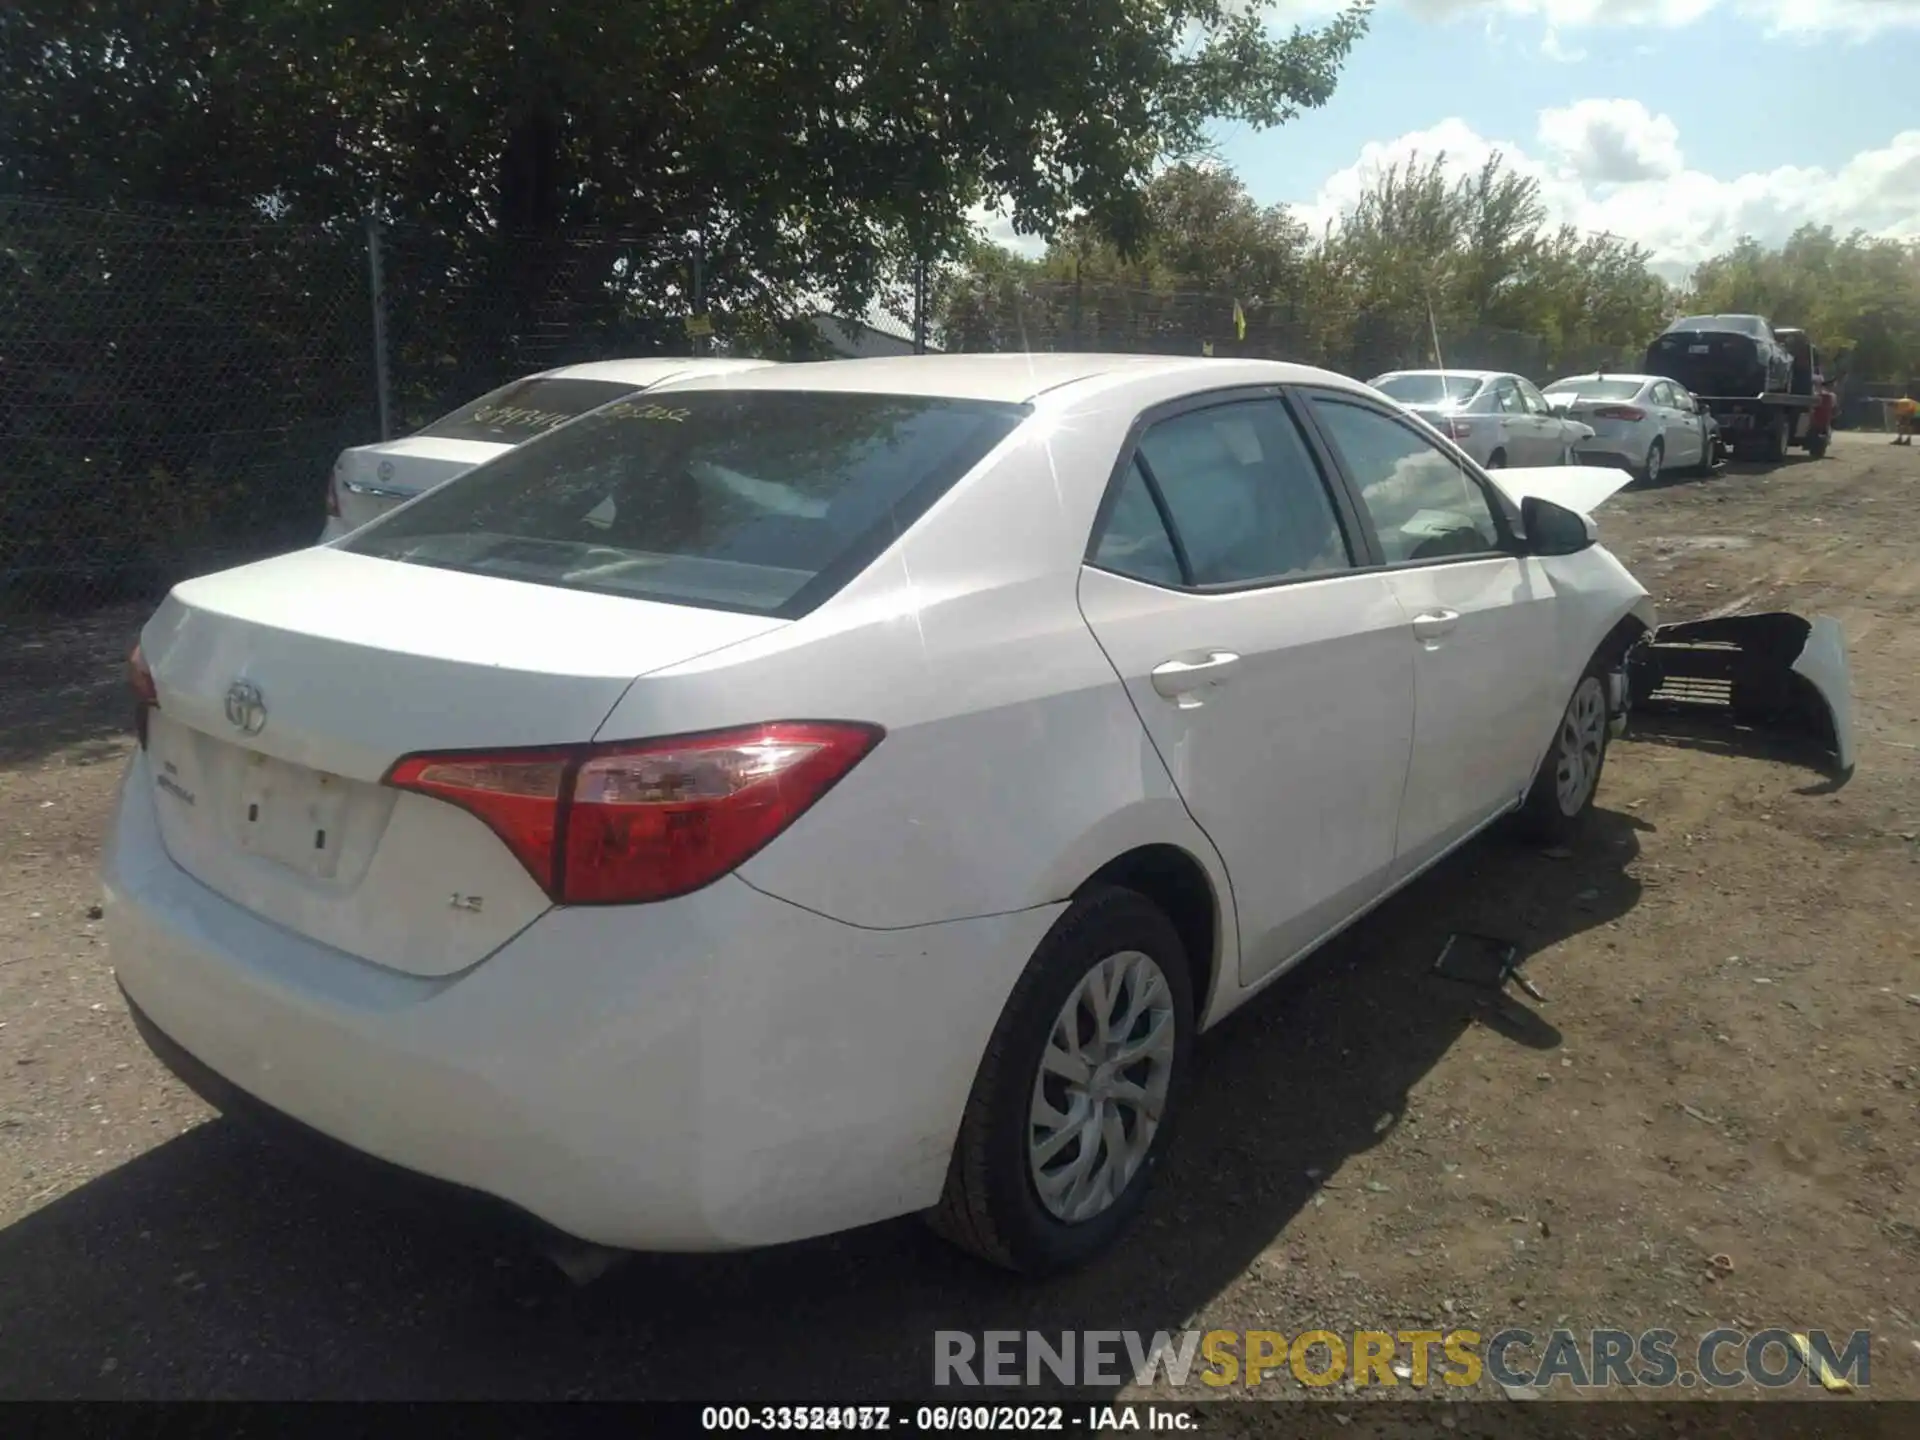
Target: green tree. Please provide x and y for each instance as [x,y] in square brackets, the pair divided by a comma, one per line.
[808,144]
[1858,297]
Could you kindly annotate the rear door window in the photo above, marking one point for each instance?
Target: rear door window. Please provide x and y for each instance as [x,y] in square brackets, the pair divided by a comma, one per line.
[765,501]
[516,413]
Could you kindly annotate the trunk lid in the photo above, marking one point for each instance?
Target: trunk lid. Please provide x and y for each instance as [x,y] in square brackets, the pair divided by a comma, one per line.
[288,688]
[369,480]
[1710,362]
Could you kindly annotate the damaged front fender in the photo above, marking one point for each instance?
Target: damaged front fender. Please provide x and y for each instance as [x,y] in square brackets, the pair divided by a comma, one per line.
[1777,673]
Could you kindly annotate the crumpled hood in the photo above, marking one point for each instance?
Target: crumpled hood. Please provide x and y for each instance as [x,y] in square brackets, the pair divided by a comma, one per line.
[1580,488]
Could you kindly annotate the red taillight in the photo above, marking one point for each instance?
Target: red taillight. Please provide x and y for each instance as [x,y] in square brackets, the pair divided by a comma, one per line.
[626,823]
[145,696]
[1619,412]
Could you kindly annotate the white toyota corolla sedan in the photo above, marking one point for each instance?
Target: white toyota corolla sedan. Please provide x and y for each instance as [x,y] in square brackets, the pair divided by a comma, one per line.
[780,801]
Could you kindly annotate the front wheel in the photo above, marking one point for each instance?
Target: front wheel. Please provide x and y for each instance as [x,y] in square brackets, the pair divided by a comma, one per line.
[1070,1108]
[1563,790]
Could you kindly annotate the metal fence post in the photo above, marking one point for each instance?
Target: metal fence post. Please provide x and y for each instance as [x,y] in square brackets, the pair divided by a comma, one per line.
[377,291]
[920,306]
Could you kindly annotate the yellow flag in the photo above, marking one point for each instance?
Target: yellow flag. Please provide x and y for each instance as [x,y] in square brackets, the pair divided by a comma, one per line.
[1206,347]
[1239,322]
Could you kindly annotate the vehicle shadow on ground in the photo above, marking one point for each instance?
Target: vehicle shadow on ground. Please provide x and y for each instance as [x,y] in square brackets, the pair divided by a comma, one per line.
[211,1267]
[1724,737]
[65,683]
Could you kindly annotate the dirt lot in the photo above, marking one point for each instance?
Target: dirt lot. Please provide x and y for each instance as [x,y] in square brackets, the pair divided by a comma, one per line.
[1727,1065]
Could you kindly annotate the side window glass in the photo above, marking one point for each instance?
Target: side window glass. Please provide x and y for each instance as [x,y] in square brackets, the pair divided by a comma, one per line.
[1423,504]
[1135,542]
[1509,399]
[1535,401]
[1244,494]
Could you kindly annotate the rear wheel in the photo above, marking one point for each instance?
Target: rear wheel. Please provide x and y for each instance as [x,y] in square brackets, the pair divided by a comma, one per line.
[1563,790]
[1656,459]
[1776,443]
[1497,460]
[1070,1109]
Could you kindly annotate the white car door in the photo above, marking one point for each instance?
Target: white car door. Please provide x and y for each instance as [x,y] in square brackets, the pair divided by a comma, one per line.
[1679,423]
[1530,436]
[1556,433]
[1274,680]
[1482,616]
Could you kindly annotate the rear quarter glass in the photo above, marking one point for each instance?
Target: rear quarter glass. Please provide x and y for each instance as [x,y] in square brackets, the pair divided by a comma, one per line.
[762,501]
[516,413]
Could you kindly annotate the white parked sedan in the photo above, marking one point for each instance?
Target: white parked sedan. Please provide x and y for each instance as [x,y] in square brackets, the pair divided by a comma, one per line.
[1643,423]
[369,480]
[1497,418]
[758,809]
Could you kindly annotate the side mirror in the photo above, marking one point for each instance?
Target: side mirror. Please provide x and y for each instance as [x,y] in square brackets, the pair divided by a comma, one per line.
[1553,529]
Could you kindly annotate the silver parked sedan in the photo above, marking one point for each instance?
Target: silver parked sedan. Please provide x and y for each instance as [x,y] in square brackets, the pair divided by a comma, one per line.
[1497,417]
[1643,423]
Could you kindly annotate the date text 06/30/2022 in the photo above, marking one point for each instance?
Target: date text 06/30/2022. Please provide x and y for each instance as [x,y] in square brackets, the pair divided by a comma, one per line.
[941,1419]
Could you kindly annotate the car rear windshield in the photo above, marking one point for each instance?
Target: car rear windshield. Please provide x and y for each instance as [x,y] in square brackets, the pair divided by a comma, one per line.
[1427,389]
[1729,324]
[526,408]
[1596,389]
[760,501]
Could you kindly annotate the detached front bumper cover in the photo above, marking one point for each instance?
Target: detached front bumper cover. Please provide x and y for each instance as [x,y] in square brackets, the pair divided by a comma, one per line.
[1776,672]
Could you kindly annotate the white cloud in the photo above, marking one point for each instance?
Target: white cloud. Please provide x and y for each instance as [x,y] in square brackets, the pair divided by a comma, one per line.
[1799,19]
[995,223]
[1611,142]
[1611,165]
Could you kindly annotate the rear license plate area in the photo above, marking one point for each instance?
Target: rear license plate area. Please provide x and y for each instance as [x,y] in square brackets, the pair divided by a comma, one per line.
[290,815]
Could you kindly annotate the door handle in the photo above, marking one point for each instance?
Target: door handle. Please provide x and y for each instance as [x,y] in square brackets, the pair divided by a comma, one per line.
[1434,624]
[1177,678]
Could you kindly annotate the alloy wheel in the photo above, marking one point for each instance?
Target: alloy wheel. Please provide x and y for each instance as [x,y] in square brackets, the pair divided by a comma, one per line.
[1578,751]
[1102,1087]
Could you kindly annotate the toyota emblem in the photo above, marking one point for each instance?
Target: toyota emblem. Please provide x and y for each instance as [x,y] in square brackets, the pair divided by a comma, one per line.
[246,707]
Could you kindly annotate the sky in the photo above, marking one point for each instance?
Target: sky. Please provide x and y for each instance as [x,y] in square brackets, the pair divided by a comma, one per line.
[1679,124]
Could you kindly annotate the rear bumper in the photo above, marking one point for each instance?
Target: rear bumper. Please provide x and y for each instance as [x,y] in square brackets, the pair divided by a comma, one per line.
[380,1179]
[718,1071]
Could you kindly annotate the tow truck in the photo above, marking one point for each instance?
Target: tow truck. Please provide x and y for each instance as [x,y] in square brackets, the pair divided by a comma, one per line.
[1761,385]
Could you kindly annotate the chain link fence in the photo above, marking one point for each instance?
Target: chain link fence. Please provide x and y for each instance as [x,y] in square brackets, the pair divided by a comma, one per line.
[168,384]
[1023,314]
[174,386]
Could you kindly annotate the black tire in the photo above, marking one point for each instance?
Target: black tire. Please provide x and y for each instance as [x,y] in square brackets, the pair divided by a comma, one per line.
[1776,441]
[1705,468]
[1544,815]
[991,1206]
[1497,460]
[1649,470]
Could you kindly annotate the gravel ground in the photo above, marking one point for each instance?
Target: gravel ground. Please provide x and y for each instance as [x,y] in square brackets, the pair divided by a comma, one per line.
[1727,1065]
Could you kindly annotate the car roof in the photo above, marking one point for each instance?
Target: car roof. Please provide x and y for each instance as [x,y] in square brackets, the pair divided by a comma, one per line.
[652,371]
[1012,378]
[1452,374]
[1611,375]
